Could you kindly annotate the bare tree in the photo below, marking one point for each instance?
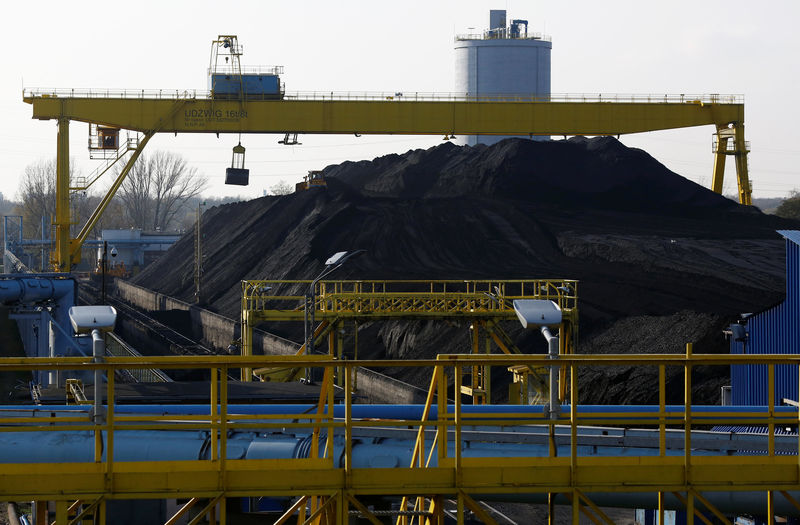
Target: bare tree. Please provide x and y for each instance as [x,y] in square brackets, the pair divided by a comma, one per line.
[281,188]
[83,204]
[157,188]
[37,196]
[36,204]
[134,194]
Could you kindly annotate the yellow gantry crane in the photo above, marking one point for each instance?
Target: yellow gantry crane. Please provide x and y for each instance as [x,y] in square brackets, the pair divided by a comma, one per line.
[226,111]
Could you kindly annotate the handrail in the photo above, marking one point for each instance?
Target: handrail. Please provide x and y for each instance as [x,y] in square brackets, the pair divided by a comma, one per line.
[443,430]
[467,295]
[113,363]
[230,69]
[397,96]
[582,360]
[83,183]
[502,34]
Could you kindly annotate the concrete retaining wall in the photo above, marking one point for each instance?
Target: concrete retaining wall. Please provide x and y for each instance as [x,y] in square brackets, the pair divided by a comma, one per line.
[217,331]
[376,388]
[212,329]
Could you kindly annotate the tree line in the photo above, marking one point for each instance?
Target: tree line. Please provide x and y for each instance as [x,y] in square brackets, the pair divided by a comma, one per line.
[161,192]
[156,195]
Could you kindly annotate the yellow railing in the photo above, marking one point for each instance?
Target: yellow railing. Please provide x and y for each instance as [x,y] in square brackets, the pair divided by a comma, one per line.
[274,299]
[399,96]
[482,302]
[676,462]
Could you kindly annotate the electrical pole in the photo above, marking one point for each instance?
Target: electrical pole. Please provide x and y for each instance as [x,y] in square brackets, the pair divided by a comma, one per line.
[198,254]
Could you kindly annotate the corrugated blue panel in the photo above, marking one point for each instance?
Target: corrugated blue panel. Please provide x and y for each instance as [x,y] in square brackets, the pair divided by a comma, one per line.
[791,235]
[252,84]
[774,331]
[749,382]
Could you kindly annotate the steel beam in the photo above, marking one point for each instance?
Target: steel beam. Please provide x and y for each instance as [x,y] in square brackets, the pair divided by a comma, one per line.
[393,117]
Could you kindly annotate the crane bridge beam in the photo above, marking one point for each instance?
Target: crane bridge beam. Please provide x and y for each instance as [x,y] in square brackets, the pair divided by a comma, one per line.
[390,117]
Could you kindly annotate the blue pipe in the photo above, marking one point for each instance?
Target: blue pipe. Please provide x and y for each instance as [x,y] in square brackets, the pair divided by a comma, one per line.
[28,292]
[368,452]
[414,412]
[377,452]
[27,289]
[381,451]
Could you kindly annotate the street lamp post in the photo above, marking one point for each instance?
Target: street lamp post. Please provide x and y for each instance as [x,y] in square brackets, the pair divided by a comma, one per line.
[543,314]
[255,293]
[103,263]
[95,320]
[333,263]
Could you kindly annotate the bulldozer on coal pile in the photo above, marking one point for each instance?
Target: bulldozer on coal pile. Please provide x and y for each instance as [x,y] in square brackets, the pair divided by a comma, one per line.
[314,179]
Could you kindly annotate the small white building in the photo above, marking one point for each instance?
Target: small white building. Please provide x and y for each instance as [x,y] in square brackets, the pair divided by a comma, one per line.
[134,247]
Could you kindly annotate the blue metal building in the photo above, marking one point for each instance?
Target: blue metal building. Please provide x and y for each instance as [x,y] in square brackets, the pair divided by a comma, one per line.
[773,331]
[250,86]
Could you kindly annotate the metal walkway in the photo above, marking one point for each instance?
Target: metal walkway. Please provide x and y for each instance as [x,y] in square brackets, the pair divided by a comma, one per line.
[579,461]
[479,304]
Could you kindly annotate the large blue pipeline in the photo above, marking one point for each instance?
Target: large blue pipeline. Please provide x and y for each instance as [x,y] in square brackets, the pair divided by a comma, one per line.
[31,289]
[393,447]
[674,413]
[40,305]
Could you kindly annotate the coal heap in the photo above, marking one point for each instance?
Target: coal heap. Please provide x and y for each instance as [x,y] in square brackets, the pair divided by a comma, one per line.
[662,261]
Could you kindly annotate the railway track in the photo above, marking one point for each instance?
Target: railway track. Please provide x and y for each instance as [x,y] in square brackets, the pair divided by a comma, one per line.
[178,343]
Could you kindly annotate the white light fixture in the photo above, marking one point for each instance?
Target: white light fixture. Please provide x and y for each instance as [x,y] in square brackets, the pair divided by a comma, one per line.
[95,319]
[535,313]
[84,319]
[542,314]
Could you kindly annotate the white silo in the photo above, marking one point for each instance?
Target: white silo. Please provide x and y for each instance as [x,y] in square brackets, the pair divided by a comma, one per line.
[503,60]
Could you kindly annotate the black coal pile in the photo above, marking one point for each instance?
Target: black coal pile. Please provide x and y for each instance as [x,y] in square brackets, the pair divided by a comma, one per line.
[662,261]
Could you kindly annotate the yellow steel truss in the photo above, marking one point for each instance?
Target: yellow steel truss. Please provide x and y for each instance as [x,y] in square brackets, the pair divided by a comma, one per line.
[482,303]
[188,112]
[281,300]
[336,486]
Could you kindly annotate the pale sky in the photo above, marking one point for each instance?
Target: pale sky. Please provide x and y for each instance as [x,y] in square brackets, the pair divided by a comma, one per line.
[727,47]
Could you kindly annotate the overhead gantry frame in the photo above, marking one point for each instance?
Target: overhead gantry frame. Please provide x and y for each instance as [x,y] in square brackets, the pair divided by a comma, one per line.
[482,304]
[187,112]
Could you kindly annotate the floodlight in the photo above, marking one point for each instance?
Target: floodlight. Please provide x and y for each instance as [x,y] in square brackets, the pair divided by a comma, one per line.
[85,319]
[535,313]
[341,257]
[335,258]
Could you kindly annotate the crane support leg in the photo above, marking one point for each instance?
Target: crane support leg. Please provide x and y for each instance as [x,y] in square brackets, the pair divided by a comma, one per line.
[720,155]
[60,260]
[729,140]
[743,177]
